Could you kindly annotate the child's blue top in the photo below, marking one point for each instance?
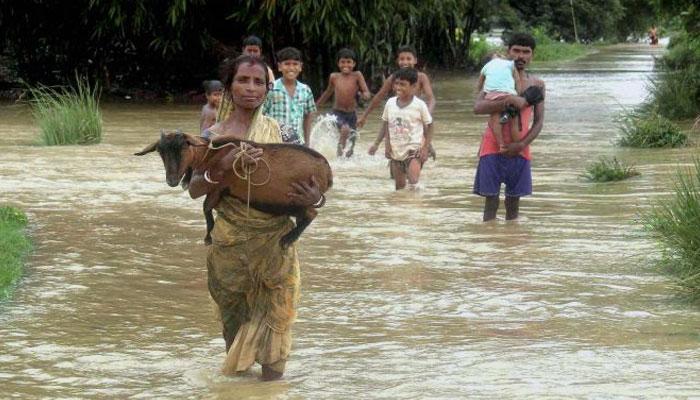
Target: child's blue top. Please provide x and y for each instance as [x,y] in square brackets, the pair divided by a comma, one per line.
[499,76]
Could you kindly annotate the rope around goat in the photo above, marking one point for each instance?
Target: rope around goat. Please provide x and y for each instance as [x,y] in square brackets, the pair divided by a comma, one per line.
[247,168]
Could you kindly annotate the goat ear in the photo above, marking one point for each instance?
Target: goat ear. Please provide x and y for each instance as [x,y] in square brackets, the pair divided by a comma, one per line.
[148,149]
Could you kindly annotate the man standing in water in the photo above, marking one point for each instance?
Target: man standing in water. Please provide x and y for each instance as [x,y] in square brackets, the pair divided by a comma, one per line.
[511,164]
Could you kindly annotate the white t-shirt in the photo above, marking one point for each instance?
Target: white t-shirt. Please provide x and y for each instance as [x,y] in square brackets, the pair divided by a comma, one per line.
[406,126]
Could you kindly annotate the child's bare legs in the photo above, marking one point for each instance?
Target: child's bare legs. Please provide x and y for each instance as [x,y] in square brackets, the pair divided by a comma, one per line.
[342,141]
[398,174]
[515,129]
[495,124]
[414,168]
[412,174]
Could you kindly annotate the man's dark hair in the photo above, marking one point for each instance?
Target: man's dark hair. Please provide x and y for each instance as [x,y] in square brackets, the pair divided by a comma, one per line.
[212,86]
[288,53]
[522,39]
[407,49]
[406,74]
[345,53]
[252,40]
[229,69]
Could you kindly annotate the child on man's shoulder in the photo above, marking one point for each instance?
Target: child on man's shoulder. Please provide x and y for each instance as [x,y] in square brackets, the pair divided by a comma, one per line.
[344,87]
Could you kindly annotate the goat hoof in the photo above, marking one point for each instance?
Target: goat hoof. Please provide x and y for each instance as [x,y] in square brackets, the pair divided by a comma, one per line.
[207,241]
[285,243]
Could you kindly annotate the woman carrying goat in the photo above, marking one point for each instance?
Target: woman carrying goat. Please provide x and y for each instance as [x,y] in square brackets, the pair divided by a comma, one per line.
[253,280]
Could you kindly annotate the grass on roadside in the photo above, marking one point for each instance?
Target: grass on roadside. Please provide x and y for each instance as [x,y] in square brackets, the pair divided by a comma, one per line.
[67,115]
[14,246]
[548,49]
[609,170]
[674,222]
[643,129]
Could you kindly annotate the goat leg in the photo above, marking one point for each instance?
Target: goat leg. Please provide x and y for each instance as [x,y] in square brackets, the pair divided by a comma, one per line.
[210,202]
[303,219]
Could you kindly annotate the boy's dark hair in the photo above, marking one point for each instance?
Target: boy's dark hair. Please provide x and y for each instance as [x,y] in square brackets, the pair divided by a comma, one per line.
[407,49]
[212,86]
[252,40]
[288,53]
[521,39]
[406,74]
[345,53]
[229,68]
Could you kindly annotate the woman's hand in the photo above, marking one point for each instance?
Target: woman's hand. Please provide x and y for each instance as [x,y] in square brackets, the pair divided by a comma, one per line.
[305,194]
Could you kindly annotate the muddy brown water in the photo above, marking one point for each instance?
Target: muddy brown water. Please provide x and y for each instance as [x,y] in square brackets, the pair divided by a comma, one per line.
[404,295]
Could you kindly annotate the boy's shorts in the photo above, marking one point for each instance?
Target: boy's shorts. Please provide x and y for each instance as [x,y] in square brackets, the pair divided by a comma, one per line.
[345,118]
[403,164]
[495,169]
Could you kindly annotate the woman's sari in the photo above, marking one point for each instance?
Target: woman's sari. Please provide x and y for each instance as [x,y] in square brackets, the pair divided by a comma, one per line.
[254,282]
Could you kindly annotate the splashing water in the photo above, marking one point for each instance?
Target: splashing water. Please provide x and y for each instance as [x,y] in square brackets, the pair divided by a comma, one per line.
[325,135]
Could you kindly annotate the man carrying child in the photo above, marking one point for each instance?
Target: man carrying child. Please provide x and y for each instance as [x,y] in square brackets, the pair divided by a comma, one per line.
[344,86]
[510,164]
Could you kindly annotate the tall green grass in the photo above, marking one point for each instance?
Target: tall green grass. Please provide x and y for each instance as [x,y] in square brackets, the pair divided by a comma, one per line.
[14,245]
[68,115]
[648,129]
[609,170]
[548,49]
[676,224]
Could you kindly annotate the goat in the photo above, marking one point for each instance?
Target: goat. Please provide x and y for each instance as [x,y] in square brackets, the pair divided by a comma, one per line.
[279,167]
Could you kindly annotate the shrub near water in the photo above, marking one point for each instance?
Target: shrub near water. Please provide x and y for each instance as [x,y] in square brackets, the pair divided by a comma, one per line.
[608,170]
[67,115]
[676,224]
[14,245]
[649,130]
[548,49]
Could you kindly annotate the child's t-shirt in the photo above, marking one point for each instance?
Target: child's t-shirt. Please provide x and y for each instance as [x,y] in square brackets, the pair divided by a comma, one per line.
[499,76]
[289,111]
[406,125]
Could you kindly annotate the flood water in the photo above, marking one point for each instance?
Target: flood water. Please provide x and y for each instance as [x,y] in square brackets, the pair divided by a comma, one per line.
[404,295]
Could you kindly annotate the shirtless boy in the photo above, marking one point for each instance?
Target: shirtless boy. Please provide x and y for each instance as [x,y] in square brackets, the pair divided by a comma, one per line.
[213,90]
[344,86]
[406,58]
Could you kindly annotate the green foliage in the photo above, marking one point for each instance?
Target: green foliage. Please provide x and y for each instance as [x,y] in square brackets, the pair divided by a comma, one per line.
[68,115]
[14,245]
[549,49]
[608,170]
[649,130]
[674,222]
[478,49]
[675,93]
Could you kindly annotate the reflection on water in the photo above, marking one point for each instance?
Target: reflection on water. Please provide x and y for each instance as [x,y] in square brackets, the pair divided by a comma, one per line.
[405,295]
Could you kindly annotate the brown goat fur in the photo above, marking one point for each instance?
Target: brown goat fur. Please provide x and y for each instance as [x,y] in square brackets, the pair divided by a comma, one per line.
[283,164]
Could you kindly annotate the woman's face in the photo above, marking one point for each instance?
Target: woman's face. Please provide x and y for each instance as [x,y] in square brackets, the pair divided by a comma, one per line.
[248,88]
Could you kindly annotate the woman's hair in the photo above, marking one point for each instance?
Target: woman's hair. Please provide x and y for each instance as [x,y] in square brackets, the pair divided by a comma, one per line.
[229,68]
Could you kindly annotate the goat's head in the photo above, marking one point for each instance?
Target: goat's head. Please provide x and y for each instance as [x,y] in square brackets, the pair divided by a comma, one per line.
[176,151]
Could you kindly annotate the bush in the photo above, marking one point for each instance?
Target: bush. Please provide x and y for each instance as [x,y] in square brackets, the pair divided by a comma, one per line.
[608,170]
[548,49]
[675,224]
[14,245]
[649,130]
[478,48]
[67,115]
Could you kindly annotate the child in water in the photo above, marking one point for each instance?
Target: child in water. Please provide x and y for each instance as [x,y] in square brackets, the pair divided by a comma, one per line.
[407,128]
[499,78]
[213,90]
[344,86]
